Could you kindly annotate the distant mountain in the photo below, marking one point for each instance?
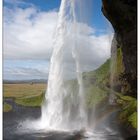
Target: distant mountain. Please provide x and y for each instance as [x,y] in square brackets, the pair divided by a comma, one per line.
[25,81]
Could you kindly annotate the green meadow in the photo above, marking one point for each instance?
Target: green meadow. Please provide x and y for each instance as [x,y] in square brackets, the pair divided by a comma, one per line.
[24,94]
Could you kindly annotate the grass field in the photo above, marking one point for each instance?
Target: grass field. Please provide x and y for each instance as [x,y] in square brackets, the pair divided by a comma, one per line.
[24,94]
[23,90]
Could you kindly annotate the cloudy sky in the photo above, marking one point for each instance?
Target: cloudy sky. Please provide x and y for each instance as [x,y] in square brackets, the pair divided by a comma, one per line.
[29,29]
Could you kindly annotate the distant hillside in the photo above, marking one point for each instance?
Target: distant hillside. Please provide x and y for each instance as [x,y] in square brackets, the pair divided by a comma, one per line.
[25,81]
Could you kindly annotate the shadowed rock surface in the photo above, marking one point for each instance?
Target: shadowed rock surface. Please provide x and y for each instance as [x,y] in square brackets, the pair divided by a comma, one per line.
[123,16]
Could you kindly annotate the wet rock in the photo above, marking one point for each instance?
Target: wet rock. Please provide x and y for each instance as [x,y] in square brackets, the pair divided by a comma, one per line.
[123,16]
[132,138]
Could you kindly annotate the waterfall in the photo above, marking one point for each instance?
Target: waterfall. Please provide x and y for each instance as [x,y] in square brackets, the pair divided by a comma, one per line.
[113,70]
[64,105]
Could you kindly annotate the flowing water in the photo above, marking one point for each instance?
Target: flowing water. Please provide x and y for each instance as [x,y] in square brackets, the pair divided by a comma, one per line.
[64,108]
[113,70]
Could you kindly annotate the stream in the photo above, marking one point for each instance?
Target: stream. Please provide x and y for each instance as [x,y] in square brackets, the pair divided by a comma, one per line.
[11,121]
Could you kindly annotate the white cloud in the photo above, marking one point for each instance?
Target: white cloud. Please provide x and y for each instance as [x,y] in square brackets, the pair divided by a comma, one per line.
[25,69]
[28,33]
[27,72]
[83,46]
[94,51]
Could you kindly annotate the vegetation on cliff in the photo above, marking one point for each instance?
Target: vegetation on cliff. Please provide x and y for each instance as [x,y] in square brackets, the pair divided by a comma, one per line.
[128,114]
[96,84]
[32,101]
[7,107]
[99,87]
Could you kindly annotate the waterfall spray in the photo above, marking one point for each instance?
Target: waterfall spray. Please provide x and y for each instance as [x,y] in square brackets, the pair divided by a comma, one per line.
[65,105]
[57,112]
[113,67]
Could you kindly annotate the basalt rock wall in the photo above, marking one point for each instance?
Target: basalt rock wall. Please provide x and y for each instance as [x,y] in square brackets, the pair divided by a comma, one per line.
[122,14]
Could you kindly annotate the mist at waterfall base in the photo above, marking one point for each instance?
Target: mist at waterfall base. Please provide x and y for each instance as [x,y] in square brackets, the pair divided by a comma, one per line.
[64,107]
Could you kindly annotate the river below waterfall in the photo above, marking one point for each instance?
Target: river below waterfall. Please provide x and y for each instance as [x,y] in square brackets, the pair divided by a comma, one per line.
[12,119]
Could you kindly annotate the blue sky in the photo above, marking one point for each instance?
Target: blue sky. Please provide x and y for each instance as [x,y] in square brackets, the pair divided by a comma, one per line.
[98,20]
[43,5]
[29,26]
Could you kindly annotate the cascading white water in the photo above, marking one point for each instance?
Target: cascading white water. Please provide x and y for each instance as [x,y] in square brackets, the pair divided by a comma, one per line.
[64,106]
[113,68]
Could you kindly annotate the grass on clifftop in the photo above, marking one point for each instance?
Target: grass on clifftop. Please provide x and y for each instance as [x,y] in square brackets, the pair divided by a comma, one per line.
[100,74]
[7,107]
[32,101]
[103,71]
[95,84]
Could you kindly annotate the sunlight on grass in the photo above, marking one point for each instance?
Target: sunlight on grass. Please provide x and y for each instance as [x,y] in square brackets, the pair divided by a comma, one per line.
[23,90]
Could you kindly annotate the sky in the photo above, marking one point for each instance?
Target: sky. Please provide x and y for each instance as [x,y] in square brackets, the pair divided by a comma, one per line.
[29,27]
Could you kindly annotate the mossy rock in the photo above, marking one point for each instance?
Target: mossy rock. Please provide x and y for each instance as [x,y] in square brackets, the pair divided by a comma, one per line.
[128,114]
[132,119]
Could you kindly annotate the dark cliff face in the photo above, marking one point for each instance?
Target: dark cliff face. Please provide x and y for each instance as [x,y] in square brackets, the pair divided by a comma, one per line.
[123,16]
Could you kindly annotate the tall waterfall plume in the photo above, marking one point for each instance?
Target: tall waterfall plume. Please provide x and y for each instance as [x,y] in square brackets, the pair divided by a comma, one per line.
[64,105]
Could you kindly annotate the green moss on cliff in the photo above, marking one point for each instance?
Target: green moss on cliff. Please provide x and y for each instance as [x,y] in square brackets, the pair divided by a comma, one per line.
[128,114]
[116,65]
[132,119]
[98,88]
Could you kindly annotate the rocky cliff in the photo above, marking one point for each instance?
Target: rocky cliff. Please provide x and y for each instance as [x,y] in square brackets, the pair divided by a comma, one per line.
[123,16]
